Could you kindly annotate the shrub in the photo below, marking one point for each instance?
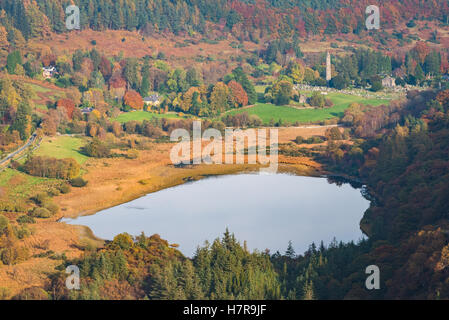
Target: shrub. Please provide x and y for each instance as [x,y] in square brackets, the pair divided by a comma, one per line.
[25,219]
[299,140]
[40,198]
[132,154]
[64,188]
[33,293]
[23,232]
[314,140]
[4,293]
[54,192]
[97,149]
[376,86]
[311,140]
[78,182]
[52,207]
[14,254]
[41,213]
[317,100]
[8,206]
[333,134]
[329,103]
[255,120]
[4,223]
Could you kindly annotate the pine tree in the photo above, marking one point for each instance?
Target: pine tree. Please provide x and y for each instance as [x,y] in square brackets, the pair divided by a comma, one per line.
[13,59]
[290,253]
[308,291]
[419,73]
[22,122]
[145,84]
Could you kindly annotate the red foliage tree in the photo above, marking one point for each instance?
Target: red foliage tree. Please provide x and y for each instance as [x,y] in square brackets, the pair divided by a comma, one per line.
[68,105]
[105,67]
[238,94]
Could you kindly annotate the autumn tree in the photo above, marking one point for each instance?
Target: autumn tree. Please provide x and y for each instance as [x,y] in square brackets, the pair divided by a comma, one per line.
[296,71]
[191,97]
[220,98]
[282,92]
[68,105]
[240,98]
[51,167]
[133,100]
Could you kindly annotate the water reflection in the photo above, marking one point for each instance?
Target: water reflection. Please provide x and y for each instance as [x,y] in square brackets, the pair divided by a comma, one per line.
[265,210]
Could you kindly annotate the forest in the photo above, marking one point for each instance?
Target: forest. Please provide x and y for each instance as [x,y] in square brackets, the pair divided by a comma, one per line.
[250,20]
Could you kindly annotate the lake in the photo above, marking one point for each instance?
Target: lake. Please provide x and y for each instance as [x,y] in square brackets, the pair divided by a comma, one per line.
[265,210]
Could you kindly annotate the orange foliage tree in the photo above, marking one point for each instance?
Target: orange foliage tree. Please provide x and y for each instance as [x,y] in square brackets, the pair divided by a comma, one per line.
[443,98]
[133,99]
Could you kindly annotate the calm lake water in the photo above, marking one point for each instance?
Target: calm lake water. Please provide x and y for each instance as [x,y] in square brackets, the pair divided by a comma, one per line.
[265,210]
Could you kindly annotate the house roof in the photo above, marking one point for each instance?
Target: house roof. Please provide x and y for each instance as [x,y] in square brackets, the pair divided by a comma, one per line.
[87,110]
[152,98]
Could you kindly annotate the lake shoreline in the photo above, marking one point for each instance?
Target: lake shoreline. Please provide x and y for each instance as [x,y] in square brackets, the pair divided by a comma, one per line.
[140,177]
[255,197]
[171,177]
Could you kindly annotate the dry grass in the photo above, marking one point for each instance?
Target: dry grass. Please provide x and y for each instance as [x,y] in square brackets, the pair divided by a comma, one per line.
[289,134]
[47,236]
[110,42]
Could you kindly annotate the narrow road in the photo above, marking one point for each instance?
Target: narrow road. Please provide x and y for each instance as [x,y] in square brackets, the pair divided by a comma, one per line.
[30,141]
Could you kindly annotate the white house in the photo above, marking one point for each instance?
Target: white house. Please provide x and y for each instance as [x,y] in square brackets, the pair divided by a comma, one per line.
[49,72]
[153,100]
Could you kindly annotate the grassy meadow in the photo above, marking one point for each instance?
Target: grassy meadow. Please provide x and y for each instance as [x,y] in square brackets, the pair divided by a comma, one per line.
[62,147]
[18,185]
[268,111]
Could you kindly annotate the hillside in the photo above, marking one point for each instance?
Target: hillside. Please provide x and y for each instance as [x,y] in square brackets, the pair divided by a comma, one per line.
[88,119]
[243,18]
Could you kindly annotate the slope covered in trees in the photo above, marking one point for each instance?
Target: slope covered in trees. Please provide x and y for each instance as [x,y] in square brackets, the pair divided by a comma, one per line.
[246,19]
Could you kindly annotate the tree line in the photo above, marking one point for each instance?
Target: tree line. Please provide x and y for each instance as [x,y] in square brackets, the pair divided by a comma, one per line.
[245,19]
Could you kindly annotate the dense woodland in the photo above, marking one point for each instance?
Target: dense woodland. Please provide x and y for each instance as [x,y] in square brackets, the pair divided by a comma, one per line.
[246,19]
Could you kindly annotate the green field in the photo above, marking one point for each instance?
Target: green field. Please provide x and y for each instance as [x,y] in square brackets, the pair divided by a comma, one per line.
[289,114]
[62,147]
[143,115]
[40,93]
[19,185]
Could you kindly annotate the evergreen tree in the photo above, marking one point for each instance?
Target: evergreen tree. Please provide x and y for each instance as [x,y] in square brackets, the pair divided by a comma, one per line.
[22,121]
[419,73]
[145,84]
[290,253]
[13,59]
[241,78]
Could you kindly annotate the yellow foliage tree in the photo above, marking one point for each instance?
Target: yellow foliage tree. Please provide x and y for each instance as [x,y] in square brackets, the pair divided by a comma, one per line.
[296,71]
